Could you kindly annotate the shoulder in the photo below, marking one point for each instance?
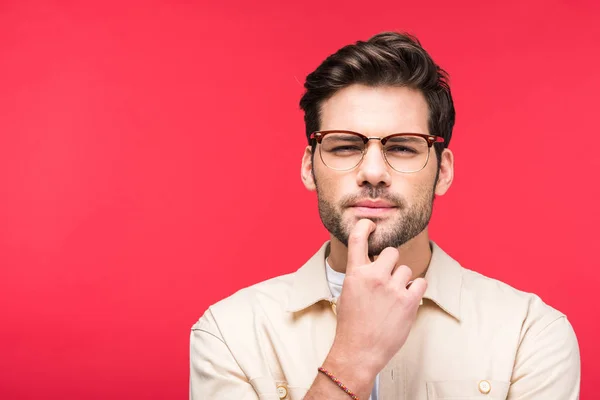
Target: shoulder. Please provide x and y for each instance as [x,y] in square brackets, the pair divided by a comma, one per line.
[505,301]
[272,298]
[531,320]
[482,299]
[243,305]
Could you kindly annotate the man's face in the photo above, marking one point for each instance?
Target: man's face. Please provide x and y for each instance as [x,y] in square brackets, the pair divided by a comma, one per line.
[400,204]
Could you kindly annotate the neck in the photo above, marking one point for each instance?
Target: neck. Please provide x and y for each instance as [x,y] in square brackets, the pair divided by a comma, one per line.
[416,254]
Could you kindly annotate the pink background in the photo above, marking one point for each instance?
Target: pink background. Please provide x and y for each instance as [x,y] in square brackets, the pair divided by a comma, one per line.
[137,185]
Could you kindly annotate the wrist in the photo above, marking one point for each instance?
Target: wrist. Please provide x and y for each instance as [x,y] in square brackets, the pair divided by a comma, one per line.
[353,373]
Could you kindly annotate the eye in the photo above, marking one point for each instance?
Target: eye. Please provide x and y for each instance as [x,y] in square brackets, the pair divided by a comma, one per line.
[401,149]
[346,149]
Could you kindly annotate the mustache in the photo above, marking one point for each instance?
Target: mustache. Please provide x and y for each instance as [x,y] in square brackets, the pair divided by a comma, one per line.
[371,192]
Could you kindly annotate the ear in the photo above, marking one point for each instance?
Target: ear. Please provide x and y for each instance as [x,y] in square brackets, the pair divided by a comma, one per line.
[446,175]
[306,172]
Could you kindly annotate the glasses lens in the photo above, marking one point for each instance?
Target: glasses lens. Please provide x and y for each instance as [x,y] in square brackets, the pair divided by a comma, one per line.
[407,153]
[342,150]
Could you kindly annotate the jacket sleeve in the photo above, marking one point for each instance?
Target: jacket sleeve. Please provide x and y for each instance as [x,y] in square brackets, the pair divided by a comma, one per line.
[214,372]
[547,365]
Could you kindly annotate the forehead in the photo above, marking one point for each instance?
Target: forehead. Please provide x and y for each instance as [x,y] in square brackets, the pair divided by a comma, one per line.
[376,111]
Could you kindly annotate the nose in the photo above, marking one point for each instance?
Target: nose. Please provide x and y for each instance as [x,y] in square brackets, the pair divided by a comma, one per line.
[373,169]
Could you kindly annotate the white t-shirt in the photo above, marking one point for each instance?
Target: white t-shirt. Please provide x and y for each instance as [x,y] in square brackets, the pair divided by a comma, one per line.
[336,280]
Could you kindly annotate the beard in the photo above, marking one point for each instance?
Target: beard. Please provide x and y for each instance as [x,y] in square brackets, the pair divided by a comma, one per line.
[392,231]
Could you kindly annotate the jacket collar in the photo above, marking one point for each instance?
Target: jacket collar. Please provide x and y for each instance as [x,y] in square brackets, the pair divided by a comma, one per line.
[444,282]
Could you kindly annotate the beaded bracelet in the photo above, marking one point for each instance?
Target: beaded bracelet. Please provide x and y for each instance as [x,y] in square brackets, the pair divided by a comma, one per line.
[337,382]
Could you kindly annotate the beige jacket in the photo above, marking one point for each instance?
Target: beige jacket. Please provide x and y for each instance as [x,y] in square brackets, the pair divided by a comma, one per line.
[474,338]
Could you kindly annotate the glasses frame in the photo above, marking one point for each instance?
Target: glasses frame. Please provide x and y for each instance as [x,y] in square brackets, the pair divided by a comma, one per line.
[431,139]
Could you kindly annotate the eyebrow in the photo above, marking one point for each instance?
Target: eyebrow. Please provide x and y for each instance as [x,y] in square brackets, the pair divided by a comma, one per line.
[347,138]
[403,139]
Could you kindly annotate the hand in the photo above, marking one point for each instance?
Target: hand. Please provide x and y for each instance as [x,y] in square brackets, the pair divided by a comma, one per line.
[375,311]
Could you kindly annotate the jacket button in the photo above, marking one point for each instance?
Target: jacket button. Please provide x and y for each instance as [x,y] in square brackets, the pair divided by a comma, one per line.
[282,391]
[485,387]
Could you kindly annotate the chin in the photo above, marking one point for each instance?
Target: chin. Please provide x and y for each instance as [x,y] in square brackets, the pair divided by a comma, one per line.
[376,249]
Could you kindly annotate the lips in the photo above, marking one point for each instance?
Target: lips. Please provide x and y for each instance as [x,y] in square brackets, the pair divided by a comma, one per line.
[372,208]
[373,204]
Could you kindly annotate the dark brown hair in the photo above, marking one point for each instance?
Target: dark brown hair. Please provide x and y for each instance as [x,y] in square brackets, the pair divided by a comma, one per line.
[386,59]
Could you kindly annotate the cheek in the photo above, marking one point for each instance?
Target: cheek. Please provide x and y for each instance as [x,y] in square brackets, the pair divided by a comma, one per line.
[424,188]
[406,185]
[414,188]
[332,187]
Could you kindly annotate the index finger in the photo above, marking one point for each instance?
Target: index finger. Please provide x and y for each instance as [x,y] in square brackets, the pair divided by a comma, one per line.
[358,244]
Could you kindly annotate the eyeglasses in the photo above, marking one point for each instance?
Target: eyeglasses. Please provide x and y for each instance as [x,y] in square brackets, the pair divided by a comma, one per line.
[404,152]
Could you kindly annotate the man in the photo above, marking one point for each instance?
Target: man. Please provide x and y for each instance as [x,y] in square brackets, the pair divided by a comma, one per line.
[410,323]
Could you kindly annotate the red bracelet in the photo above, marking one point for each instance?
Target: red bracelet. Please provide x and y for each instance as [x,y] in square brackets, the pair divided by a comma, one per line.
[337,382]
